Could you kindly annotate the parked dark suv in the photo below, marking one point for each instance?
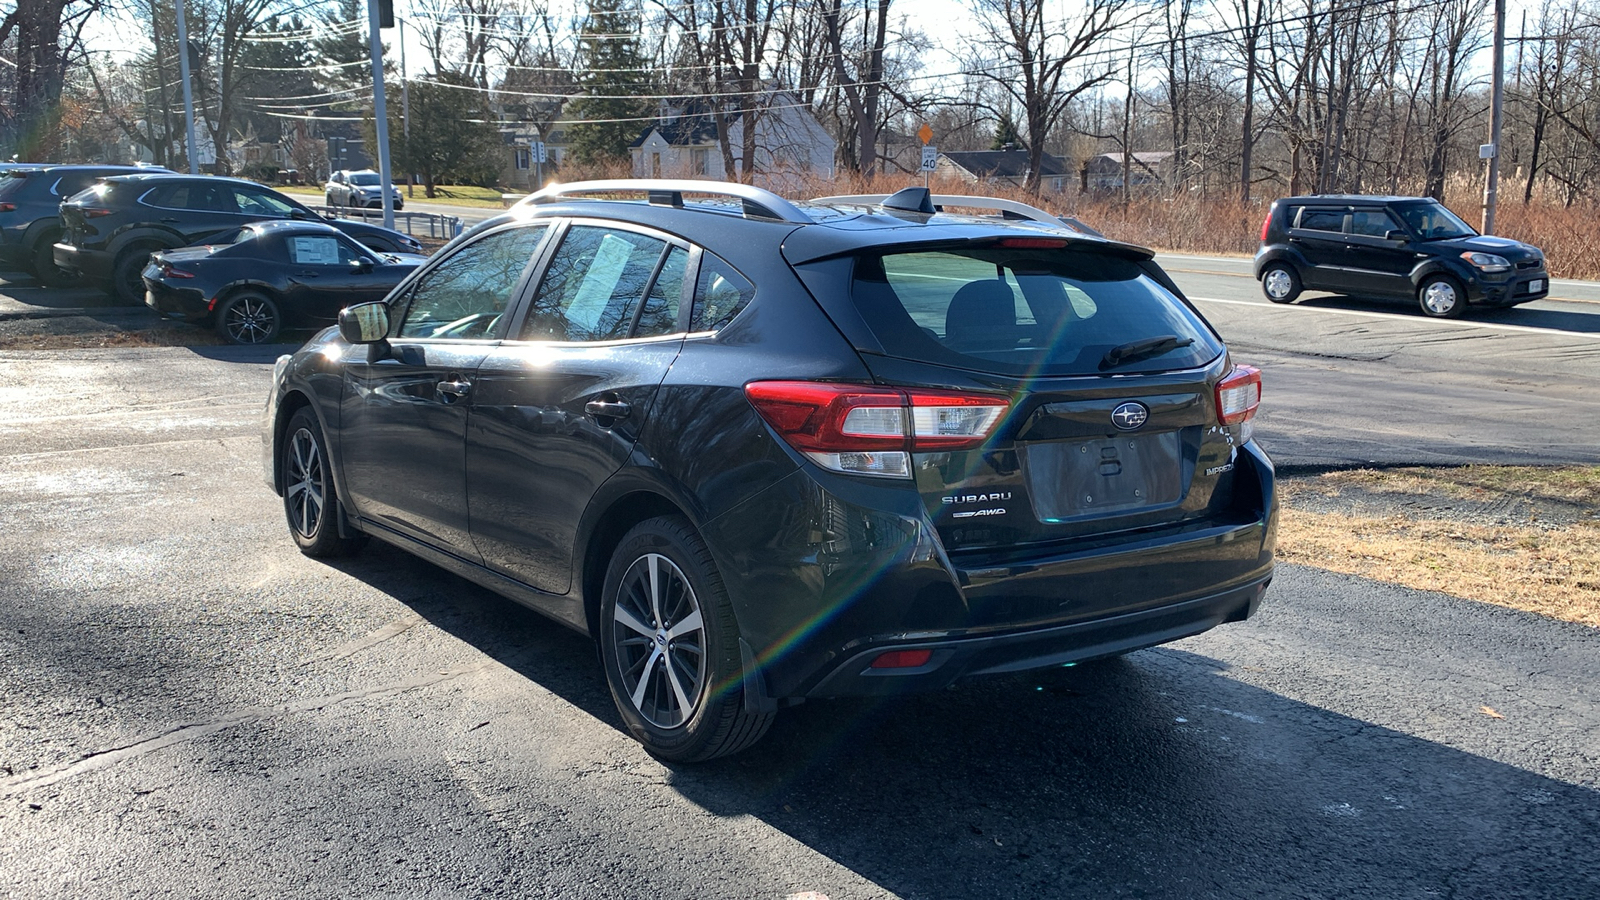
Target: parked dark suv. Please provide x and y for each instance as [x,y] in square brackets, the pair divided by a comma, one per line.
[30,207]
[1407,248]
[765,452]
[110,230]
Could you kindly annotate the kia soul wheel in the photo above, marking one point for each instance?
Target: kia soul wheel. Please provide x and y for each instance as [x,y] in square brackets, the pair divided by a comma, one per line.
[670,648]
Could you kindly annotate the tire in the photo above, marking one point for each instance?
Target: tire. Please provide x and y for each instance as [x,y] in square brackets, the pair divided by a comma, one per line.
[1280,283]
[1441,297]
[670,647]
[44,264]
[310,501]
[127,284]
[249,318]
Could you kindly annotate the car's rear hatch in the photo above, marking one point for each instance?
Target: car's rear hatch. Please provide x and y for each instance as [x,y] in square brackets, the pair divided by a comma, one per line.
[1111,431]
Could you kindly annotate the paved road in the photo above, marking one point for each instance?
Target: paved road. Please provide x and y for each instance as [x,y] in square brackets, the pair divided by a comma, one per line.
[1354,383]
[194,709]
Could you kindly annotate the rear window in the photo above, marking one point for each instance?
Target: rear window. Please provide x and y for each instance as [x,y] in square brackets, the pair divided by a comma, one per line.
[12,183]
[1023,312]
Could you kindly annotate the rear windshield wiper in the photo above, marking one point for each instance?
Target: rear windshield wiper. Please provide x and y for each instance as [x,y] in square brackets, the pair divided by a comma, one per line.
[1136,350]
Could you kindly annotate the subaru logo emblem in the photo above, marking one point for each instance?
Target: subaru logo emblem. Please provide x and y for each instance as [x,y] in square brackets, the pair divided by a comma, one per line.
[1130,416]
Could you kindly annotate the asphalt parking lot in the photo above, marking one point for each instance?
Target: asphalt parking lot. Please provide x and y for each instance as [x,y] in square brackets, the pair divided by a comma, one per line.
[195,709]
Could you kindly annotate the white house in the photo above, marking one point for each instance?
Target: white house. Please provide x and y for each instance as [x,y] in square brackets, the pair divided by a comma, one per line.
[791,145]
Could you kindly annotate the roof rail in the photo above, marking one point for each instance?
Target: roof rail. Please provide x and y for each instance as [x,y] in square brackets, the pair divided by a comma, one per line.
[1022,210]
[758,203]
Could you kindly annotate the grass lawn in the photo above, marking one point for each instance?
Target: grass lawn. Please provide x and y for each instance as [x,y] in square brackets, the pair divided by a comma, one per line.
[1527,538]
[455,195]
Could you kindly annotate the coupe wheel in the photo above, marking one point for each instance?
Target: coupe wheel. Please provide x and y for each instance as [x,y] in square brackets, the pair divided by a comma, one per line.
[127,279]
[310,501]
[1442,298]
[670,646]
[249,318]
[1280,283]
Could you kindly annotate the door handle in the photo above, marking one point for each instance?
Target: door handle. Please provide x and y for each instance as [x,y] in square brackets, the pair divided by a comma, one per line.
[608,409]
[454,389]
[308,274]
[170,219]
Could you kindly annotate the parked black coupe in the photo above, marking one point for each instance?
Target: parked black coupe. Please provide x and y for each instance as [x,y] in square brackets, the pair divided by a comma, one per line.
[255,281]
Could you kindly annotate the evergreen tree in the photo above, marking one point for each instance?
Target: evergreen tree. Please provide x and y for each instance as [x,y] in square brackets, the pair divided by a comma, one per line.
[277,67]
[345,51]
[1005,133]
[611,65]
[453,138]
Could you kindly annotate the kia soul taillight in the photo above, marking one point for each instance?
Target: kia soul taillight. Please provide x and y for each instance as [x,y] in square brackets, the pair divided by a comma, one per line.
[864,429]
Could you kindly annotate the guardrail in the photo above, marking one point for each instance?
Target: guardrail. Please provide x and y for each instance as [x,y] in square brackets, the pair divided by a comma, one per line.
[433,225]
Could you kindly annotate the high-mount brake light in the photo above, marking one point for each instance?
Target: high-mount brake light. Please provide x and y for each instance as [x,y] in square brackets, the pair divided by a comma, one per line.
[1238,395]
[1017,243]
[865,429]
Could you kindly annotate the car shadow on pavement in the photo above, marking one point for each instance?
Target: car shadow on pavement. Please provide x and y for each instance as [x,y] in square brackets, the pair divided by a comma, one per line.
[1159,774]
[1583,321]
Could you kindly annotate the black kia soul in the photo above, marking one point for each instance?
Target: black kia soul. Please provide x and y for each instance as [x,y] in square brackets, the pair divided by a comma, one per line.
[1406,248]
[764,452]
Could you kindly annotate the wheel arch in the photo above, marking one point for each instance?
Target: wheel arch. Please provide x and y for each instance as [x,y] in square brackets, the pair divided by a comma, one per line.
[1280,255]
[166,240]
[292,402]
[240,287]
[605,533]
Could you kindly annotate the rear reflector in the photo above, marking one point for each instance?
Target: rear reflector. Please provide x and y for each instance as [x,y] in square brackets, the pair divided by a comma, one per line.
[872,430]
[902,659]
[1238,395]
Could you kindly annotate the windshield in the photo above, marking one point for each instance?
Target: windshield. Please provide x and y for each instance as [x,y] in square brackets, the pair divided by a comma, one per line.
[1028,312]
[365,179]
[1432,222]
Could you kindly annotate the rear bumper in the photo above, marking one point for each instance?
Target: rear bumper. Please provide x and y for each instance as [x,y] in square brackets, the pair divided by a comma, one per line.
[90,263]
[822,585]
[952,660]
[188,304]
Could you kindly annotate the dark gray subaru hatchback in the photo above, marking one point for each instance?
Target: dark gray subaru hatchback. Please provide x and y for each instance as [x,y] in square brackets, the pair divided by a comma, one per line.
[764,452]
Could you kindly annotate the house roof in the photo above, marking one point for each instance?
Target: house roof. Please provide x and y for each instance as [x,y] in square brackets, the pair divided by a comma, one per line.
[1004,163]
[692,126]
[1142,157]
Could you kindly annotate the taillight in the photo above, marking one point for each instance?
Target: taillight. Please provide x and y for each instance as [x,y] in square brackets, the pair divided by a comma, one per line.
[1265,224]
[93,212]
[8,207]
[168,270]
[901,659]
[867,429]
[1238,395]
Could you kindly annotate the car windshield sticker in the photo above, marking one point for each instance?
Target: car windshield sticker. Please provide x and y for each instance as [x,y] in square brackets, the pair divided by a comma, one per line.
[601,279]
[316,251]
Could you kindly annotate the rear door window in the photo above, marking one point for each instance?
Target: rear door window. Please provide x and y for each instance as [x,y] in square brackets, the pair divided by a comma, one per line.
[1046,312]
[1313,219]
[593,286]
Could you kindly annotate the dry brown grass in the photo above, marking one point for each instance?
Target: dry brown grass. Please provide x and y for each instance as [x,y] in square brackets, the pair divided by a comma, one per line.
[153,337]
[1543,558]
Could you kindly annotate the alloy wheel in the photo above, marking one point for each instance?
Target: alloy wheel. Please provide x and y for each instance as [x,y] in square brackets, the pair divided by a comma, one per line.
[659,636]
[249,320]
[304,484]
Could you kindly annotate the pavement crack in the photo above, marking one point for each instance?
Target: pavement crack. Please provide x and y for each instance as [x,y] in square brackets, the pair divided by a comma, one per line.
[102,759]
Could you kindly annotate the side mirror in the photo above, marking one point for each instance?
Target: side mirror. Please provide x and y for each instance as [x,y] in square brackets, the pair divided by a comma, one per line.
[361,266]
[364,323]
[1397,236]
[299,214]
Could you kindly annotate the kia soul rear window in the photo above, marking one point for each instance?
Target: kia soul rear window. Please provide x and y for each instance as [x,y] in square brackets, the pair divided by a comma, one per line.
[1028,312]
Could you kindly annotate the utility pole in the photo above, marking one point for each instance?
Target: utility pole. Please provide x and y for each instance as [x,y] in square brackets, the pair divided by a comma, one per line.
[1491,151]
[405,105]
[188,94]
[380,113]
